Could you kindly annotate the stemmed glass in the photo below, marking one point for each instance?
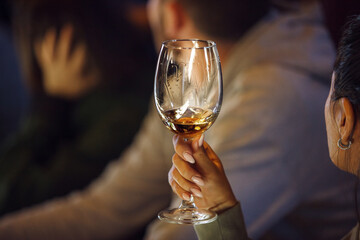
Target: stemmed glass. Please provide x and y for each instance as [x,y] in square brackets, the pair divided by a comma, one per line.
[188,97]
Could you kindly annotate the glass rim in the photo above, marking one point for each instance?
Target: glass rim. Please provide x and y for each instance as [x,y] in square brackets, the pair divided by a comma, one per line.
[167,43]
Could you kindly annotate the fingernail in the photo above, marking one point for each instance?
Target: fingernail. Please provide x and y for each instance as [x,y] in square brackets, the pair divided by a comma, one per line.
[189,158]
[198,181]
[196,192]
[201,140]
[186,196]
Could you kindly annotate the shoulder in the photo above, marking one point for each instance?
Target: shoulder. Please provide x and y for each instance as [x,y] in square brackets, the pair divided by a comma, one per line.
[273,86]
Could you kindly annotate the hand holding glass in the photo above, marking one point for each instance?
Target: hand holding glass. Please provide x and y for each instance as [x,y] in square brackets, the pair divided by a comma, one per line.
[188,97]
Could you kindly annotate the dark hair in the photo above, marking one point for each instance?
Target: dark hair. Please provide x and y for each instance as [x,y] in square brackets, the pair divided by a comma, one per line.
[226,19]
[347,65]
[109,39]
[336,15]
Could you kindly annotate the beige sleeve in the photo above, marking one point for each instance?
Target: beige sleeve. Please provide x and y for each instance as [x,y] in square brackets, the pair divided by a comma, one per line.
[229,225]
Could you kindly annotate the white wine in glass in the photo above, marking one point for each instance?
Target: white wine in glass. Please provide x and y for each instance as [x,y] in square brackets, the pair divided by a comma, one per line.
[188,97]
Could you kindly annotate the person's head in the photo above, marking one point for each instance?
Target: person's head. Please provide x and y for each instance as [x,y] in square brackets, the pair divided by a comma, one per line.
[342,107]
[225,20]
[107,37]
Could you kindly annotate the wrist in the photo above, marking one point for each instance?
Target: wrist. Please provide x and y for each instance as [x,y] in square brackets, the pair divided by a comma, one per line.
[225,205]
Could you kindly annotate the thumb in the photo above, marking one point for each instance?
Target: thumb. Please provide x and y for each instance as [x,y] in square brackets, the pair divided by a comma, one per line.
[207,162]
[213,157]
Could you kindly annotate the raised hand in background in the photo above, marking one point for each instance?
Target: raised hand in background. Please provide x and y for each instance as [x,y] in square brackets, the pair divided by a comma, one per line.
[63,65]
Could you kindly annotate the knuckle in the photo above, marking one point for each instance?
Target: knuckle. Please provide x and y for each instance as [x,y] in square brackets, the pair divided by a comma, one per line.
[177,189]
[174,139]
[171,175]
[170,178]
[177,161]
[173,184]
[174,159]
[184,184]
[188,174]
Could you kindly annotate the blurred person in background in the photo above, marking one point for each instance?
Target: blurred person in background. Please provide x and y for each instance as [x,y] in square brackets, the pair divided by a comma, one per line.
[87,71]
[277,61]
[13,93]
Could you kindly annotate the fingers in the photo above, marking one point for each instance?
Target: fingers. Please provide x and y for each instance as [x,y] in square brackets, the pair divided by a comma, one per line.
[47,49]
[183,148]
[38,51]
[63,50]
[212,156]
[197,142]
[177,189]
[205,163]
[185,184]
[44,49]
[78,57]
[187,171]
[181,185]
[199,152]
[186,176]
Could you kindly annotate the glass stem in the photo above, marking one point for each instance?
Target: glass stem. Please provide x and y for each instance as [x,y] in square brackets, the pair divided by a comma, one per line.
[188,204]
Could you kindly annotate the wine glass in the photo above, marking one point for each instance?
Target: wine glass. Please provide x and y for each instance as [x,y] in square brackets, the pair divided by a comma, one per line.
[188,97]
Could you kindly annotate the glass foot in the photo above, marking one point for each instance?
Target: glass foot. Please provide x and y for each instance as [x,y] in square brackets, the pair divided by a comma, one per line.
[187,216]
